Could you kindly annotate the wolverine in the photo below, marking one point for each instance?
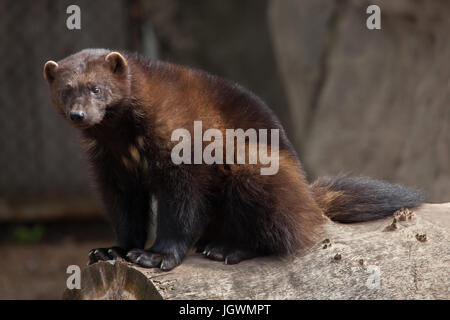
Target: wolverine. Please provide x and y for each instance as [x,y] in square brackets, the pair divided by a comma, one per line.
[127,108]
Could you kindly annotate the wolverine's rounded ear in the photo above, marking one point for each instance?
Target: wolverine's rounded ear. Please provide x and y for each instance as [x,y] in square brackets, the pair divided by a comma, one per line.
[117,62]
[49,70]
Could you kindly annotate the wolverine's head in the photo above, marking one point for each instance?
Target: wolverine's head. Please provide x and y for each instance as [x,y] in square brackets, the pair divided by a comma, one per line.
[83,86]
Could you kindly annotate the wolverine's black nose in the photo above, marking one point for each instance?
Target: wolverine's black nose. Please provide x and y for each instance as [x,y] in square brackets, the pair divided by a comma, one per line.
[76,116]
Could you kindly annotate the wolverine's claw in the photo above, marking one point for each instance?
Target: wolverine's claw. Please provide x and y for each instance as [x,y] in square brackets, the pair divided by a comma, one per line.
[105,254]
[148,259]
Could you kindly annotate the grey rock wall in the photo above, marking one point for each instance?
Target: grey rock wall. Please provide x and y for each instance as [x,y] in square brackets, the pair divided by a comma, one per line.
[369,102]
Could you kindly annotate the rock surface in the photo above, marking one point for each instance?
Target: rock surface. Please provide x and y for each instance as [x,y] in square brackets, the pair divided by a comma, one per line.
[351,261]
[371,102]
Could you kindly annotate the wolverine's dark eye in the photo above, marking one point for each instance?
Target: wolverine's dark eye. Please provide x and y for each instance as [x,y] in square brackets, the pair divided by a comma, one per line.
[65,92]
[95,90]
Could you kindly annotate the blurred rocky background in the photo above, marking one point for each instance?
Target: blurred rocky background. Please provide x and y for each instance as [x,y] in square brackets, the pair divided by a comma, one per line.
[372,102]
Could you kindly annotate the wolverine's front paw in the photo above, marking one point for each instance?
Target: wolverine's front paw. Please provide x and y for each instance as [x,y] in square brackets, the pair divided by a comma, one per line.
[148,259]
[104,254]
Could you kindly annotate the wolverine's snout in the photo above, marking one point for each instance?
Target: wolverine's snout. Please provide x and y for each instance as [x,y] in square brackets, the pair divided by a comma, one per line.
[77,116]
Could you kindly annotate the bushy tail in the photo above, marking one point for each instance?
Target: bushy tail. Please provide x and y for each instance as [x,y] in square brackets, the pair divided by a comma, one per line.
[356,199]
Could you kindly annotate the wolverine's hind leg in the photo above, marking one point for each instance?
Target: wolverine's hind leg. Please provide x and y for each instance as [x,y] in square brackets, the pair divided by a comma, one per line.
[244,222]
[266,214]
[229,245]
[221,252]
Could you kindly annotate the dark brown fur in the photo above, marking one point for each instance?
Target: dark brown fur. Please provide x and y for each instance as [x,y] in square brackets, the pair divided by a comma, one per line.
[230,212]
